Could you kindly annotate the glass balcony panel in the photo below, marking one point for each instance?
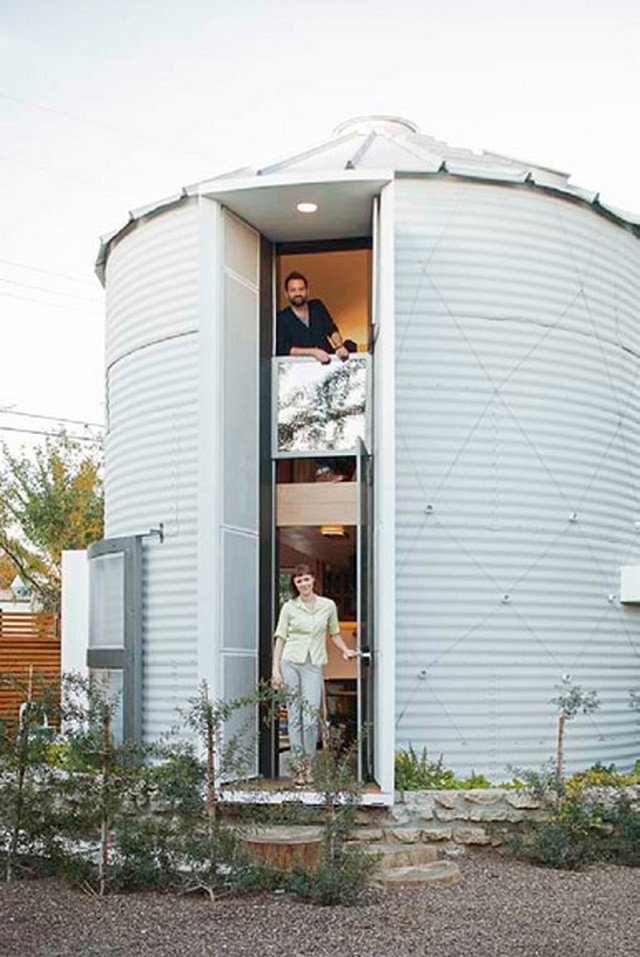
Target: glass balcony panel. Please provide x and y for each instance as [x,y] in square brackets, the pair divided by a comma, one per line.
[106,617]
[320,409]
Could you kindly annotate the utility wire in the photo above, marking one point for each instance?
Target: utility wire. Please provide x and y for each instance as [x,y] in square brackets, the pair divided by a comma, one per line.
[109,128]
[52,435]
[51,418]
[48,272]
[91,183]
[26,285]
[49,305]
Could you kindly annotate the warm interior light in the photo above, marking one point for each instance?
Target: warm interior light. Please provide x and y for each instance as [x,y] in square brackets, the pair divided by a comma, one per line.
[307,207]
[332,531]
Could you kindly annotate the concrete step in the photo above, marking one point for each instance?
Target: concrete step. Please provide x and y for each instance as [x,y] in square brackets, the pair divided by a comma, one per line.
[422,875]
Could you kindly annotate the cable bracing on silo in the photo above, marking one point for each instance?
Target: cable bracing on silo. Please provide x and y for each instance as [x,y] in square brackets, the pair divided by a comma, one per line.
[517,422]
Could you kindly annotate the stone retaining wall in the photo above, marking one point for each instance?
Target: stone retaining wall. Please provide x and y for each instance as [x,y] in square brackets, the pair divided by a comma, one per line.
[453,819]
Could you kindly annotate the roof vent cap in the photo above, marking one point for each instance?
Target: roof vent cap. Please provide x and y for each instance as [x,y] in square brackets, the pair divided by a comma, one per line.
[376,124]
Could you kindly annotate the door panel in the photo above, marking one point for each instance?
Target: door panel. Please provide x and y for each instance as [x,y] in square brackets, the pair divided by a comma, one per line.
[366,728]
[239,363]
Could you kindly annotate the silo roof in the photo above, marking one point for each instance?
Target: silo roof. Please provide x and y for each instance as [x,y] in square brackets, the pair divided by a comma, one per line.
[371,150]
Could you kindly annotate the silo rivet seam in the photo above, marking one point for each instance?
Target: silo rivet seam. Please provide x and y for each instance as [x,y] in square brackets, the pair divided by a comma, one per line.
[611,597]
[428,509]
[506,598]
[573,517]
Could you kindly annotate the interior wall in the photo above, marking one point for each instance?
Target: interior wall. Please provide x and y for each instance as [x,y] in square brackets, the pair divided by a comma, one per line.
[342,280]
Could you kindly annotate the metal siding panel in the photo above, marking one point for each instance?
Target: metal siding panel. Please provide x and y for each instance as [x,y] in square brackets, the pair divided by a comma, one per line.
[152,286]
[517,473]
[240,611]
[151,477]
[240,413]
[238,540]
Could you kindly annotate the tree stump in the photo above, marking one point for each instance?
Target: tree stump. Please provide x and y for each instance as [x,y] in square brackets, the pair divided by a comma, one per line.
[286,847]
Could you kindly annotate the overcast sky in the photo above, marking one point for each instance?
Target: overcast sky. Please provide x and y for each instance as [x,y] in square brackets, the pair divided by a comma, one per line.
[105,106]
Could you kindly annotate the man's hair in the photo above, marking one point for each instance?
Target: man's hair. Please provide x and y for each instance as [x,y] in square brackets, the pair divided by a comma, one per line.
[295,275]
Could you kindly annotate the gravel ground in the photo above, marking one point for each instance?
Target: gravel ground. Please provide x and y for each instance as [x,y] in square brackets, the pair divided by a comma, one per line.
[502,908]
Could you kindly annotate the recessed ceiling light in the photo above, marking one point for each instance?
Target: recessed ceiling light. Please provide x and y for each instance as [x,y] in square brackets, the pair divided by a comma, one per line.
[307,207]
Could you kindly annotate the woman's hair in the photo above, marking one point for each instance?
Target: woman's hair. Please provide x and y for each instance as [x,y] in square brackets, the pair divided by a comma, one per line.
[296,573]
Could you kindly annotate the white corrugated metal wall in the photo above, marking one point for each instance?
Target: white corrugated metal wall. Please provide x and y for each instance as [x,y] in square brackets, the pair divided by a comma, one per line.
[238,483]
[517,365]
[152,442]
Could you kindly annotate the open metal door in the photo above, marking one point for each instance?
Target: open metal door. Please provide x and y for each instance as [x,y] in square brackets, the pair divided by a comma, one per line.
[238,485]
[115,627]
[365,630]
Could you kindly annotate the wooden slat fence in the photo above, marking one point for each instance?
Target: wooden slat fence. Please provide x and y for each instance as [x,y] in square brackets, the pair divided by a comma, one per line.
[27,640]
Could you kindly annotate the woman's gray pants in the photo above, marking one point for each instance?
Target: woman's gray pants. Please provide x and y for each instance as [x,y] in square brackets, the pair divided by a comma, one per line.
[303,690]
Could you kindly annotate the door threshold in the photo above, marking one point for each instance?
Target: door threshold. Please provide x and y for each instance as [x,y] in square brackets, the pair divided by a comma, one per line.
[280,791]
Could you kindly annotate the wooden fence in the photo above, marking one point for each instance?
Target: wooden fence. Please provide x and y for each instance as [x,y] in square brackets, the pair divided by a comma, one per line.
[27,641]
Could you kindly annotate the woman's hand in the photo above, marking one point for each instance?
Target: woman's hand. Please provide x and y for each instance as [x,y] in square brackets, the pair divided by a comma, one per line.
[276,679]
[349,653]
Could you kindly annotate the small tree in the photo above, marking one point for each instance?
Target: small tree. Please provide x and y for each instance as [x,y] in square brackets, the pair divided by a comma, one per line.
[50,501]
[103,775]
[24,793]
[570,701]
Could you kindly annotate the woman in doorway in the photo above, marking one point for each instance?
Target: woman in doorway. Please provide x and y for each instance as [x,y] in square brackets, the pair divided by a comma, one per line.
[299,654]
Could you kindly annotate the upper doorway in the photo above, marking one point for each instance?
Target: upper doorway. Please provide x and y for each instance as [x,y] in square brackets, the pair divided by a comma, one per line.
[340,275]
[319,508]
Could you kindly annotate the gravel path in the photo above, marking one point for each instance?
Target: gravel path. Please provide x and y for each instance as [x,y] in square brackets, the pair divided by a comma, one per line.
[502,908]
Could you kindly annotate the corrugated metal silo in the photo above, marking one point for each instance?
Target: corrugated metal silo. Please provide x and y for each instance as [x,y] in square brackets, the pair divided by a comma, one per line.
[505,393]
[517,369]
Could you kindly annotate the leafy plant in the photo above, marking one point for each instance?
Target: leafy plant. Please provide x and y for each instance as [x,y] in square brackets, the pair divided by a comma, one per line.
[418,773]
[570,835]
[623,843]
[25,786]
[570,701]
[49,501]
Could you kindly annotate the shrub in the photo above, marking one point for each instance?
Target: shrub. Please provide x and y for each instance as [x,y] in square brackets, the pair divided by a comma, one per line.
[572,834]
[342,879]
[622,845]
[415,773]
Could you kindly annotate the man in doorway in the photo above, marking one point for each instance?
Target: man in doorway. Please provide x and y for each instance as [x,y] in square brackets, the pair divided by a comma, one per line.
[305,327]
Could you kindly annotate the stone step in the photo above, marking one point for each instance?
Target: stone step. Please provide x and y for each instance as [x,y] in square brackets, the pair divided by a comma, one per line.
[402,855]
[423,875]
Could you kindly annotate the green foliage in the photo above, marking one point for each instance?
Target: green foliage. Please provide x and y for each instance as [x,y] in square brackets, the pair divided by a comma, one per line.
[27,784]
[572,699]
[333,776]
[50,500]
[342,880]
[413,773]
[568,840]
[589,817]
[418,773]
[600,775]
[623,841]
[113,815]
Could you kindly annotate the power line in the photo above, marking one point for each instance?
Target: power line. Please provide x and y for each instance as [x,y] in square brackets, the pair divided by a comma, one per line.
[54,292]
[43,302]
[52,418]
[93,184]
[48,272]
[145,137]
[52,435]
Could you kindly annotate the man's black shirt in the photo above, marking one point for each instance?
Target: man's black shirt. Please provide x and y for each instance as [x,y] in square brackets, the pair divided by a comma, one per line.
[290,331]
